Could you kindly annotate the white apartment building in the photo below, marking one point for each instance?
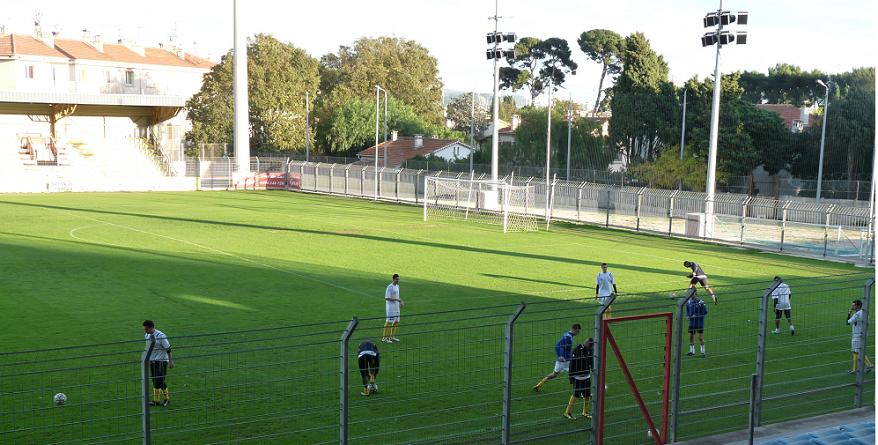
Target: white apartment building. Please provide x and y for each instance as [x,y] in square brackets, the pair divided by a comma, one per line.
[85,97]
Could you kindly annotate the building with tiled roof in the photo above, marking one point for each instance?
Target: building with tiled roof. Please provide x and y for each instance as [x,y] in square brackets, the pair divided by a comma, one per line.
[69,90]
[401,149]
[796,119]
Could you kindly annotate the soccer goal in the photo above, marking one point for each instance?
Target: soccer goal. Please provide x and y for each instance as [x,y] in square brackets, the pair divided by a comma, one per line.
[491,202]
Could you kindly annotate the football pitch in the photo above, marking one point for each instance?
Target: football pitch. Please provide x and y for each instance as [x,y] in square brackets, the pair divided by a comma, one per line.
[87,269]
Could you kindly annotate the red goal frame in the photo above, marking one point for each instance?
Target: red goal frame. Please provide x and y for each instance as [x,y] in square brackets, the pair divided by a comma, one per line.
[607,336]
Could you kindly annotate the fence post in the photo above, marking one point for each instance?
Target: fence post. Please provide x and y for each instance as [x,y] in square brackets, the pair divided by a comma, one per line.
[343,382]
[826,230]
[331,176]
[579,201]
[678,363]
[609,190]
[362,181]
[257,165]
[597,387]
[861,359]
[398,172]
[346,175]
[302,176]
[316,176]
[507,376]
[145,387]
[418,184]
[760,351]
[783,224]
[744,216]
[751,418]
[671,213]
[637,206]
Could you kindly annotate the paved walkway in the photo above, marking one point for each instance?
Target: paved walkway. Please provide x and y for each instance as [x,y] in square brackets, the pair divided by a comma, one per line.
[794,427]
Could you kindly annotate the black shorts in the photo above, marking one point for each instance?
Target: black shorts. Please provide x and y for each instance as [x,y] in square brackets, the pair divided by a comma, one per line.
[701,281]
[787,312]
[582,388]
[368,365]
[158,370]
[696,330]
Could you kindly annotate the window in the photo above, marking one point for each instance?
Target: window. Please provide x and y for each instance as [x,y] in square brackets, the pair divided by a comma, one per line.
[129,77]
[29,72]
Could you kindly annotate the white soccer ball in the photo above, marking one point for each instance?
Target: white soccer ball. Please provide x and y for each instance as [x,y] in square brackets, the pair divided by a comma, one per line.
[60,399]
[373,387]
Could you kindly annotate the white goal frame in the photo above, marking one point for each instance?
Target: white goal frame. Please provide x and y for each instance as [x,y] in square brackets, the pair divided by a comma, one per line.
[491,202]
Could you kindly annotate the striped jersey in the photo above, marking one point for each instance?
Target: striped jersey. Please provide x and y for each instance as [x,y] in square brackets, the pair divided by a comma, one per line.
[162,346]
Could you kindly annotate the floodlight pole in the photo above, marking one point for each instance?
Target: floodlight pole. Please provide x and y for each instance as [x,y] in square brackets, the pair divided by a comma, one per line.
[714,135]
[569,131]
[822,138]
[472,128]
[548,144]
[495,133]
[239,87]
[307,128]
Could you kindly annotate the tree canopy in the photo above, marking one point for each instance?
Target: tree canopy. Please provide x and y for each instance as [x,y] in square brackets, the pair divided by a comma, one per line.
[538,63]
[279,74]
[603,46]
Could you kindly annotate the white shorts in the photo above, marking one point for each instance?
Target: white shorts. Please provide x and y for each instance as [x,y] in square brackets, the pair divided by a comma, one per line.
[393,317]
[604,300]
[562,366]
[856,345]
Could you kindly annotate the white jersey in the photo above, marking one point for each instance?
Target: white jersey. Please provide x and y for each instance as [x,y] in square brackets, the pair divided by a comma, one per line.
[161,348]
[605,282]
[392,305]
[782,295]
[856,322]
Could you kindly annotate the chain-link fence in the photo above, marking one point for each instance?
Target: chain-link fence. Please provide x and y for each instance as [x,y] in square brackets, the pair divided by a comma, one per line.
[467,375]
[824,229]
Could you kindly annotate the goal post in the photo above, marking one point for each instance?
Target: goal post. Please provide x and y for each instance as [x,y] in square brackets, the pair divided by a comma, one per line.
[491,202]
[657,434]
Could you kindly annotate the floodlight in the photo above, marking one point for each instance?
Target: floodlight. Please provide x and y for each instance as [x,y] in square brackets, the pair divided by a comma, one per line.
[727,17]
[726,37]
[742,38]
[510,37]
[708,39]
[509,53]
[710,20]
[742,17]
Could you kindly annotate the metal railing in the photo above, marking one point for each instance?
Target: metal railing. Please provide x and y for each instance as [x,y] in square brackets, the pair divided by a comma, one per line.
[822,229]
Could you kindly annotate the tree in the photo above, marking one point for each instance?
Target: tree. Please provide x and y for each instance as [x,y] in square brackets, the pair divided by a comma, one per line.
[668,170]
[279,75]
[404,67]
[644,103]
[507,108]
[461,112]
[537,64]
[589,149]
[352,126]
[602,46]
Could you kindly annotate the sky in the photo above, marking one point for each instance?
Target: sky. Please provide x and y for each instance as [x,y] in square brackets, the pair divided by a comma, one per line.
[832,36]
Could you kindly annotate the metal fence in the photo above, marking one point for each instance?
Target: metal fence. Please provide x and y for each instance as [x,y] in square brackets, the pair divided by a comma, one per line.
[461,376]
[808,228]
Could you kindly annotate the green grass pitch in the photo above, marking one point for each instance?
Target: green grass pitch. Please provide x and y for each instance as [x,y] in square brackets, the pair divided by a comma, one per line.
[87,269]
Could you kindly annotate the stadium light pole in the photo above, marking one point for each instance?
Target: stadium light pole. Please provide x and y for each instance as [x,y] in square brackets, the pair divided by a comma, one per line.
[242,105]
[548,144]
[495,53]
[378,91]
[307,128]
[719,38]
[569,131]
[472,128]
[822,138]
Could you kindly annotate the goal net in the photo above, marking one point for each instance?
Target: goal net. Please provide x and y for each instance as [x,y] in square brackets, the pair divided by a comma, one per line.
[499,203]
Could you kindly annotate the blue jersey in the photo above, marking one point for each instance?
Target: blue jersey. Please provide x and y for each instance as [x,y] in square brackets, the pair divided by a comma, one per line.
[696,310]
[564,347]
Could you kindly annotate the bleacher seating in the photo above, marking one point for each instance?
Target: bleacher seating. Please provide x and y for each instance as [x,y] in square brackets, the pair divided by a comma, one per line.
[862,433]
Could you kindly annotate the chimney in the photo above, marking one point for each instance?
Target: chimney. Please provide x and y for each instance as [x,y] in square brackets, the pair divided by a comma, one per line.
[394,135]
[516,121]
[419,140]
[45,37]
[93,41]
[133,46]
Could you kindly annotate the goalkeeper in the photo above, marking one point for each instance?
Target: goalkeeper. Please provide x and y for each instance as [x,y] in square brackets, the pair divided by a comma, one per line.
[698,277]
[368,359]
[581,366]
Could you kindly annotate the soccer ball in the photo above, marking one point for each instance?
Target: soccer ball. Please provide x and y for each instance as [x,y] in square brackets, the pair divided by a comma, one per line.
[373,387]
[60,399]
